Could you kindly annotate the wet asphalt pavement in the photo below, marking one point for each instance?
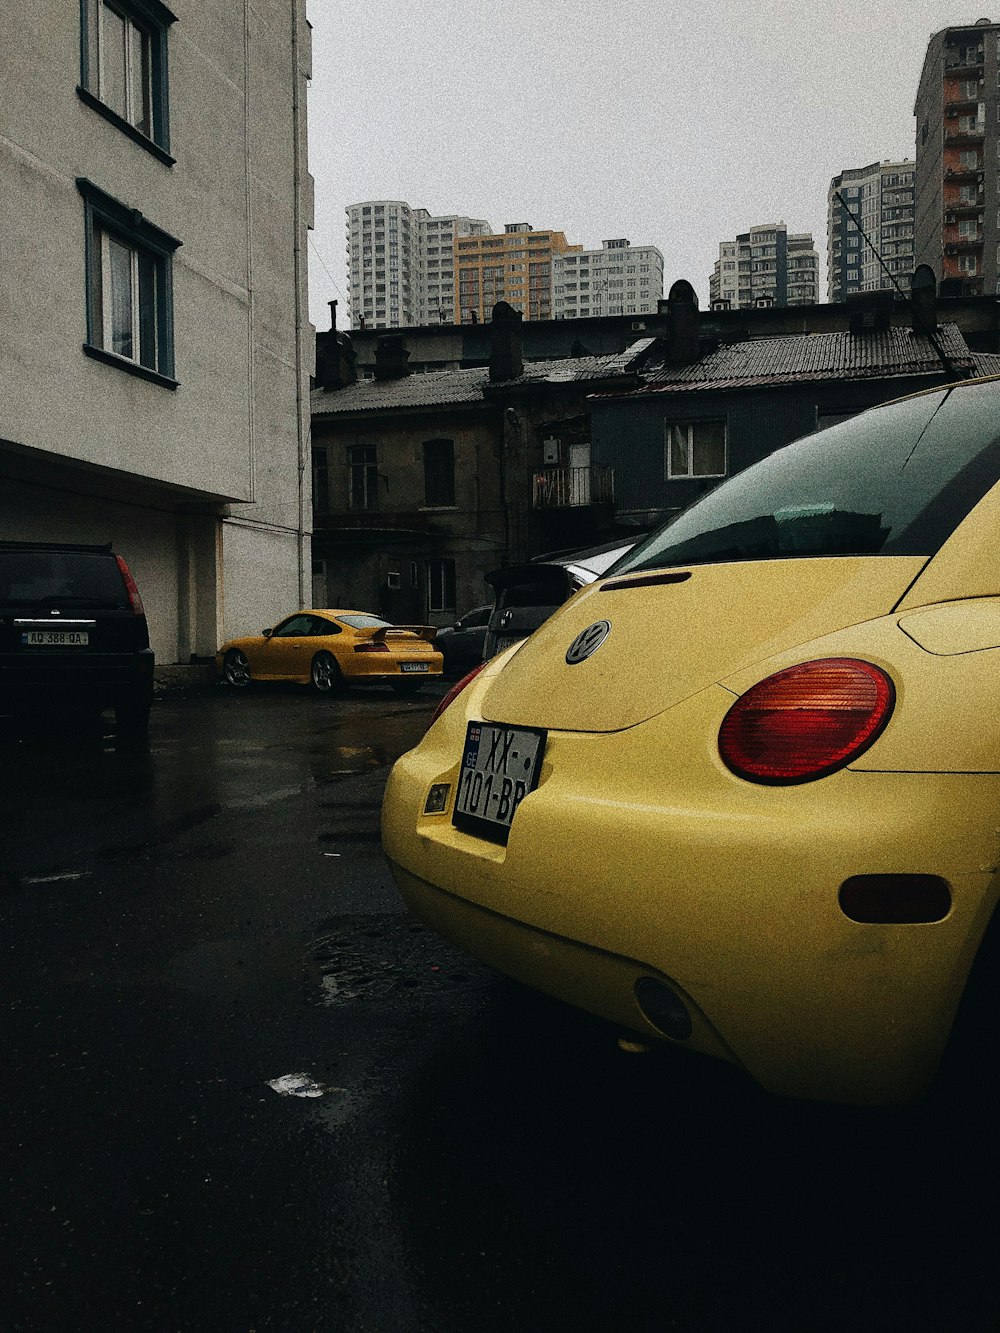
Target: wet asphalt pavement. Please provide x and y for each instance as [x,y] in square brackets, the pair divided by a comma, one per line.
[184,926]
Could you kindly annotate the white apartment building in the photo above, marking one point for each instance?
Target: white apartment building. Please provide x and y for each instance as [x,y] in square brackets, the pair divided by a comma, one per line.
[155,363]
[618,279]
[401,263]
[880,196]
[766,266]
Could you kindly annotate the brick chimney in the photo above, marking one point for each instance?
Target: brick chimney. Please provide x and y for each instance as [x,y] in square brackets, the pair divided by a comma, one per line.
[683,347]
[391,357]
[506,360]
[923,299]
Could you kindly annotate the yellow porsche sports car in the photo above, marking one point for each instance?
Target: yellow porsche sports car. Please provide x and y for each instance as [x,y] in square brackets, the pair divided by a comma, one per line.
[743,792]
[329,649]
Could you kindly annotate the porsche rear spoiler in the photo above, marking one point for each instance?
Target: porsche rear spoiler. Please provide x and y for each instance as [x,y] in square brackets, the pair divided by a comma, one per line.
[425,632]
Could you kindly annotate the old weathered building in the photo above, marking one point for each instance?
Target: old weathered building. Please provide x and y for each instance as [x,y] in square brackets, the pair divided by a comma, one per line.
[708,407]
[425,483]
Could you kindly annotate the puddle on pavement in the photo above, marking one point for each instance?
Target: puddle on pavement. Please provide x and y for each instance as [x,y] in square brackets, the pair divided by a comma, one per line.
[342,761]
[388,956]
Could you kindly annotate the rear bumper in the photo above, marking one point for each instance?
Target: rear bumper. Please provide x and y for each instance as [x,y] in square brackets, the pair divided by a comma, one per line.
[98,677]
[671,868]
[363,667]
[593,979]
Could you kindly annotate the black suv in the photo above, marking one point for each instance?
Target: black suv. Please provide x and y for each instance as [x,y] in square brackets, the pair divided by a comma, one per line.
[73,632]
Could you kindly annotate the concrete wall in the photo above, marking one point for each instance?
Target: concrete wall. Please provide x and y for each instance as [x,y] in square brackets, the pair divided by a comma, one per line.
[238,197]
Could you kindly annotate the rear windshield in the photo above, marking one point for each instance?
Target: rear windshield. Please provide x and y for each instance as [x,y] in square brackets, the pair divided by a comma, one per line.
[362,621]
[548,587]
[895,480]
[60,578]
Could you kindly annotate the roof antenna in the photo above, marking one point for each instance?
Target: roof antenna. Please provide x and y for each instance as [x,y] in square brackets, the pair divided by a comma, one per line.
[942,355]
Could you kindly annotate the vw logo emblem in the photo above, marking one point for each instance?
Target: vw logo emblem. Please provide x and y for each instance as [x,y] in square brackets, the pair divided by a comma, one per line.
[506,618]
[588,641]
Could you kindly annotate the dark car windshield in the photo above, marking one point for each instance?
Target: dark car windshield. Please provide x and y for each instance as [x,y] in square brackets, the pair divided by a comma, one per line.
[895,480]
[55,578]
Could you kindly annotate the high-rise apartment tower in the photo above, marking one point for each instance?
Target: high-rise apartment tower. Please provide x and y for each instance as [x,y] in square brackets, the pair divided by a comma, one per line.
[401,265]
[618,279]
[766,266]
[957,195]
[880,197]
[514,265]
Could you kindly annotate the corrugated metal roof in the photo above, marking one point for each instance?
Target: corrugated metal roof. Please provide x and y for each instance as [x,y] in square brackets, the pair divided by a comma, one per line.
[798,358]
[439,387]
[442,387]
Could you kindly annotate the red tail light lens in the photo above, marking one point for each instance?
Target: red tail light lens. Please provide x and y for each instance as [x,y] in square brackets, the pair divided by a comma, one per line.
[135,601]
[371,647]
[806,722]
[454,692]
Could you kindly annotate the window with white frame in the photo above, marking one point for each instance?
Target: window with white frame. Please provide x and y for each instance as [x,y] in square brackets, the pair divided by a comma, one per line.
[123,67]
[695,449]
[129,290]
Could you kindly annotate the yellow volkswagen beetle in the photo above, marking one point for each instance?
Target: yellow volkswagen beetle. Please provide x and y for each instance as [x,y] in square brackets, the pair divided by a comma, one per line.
[743,793]
[327,649]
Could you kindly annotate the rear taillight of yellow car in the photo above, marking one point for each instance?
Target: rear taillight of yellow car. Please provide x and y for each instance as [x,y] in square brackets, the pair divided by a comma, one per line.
[455,691]
[379,647]
[806,721]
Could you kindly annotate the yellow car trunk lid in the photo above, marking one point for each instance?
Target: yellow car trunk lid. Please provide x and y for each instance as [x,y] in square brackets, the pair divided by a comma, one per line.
[669,639]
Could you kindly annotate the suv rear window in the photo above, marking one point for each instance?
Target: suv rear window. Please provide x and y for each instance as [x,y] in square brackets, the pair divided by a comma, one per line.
[895,480]
[43,578]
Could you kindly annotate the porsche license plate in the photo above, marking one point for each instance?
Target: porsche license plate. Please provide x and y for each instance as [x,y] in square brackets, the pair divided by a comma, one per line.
[55,638]
[500,766]
[413,666]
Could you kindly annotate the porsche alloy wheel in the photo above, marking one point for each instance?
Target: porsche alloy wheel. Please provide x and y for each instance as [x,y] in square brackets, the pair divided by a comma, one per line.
[325,673]
[236,668]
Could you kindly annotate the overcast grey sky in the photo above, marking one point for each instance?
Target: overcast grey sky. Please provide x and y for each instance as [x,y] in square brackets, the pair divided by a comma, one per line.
[676,125]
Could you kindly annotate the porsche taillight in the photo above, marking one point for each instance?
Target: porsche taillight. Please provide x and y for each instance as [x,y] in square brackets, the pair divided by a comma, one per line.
[379,647]
[454,692]
[134,600]
[806,721]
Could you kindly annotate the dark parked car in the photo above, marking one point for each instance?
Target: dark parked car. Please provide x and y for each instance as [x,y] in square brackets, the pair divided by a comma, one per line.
[73,634]
[526,595]
[462,644]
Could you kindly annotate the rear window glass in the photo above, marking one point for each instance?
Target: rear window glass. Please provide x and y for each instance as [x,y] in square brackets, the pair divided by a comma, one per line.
[362,621]
[895,480]
[50,578]
[545,589]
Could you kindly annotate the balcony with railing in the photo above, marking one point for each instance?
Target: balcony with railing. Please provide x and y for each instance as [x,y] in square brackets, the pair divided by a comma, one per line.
[964,130]
[565,487]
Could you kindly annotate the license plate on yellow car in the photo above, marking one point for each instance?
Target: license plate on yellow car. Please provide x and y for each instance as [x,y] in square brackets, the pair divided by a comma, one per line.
[413,666]
[500,765]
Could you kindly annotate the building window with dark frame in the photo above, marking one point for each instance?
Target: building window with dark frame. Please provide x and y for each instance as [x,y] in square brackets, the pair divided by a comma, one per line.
[362,476]
[129,266]
[123,67]
[695,449]
[440,585]
[439,474]
[320,480]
